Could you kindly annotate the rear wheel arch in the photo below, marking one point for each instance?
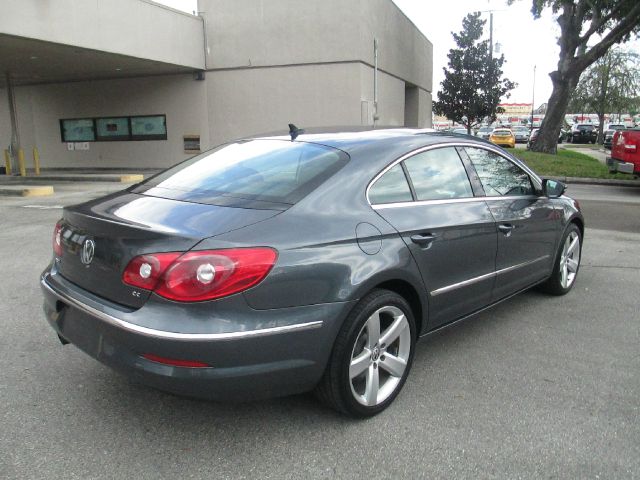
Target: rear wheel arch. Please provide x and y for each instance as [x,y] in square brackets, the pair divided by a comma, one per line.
[407,291]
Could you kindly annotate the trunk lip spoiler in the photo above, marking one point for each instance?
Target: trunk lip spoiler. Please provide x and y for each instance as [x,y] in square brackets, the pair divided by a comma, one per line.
[151,332]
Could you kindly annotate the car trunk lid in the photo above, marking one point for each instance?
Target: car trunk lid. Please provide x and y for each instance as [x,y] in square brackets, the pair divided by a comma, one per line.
[101,237]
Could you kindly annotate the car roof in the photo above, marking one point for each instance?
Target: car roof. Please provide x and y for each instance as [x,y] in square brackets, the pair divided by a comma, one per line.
[384,141]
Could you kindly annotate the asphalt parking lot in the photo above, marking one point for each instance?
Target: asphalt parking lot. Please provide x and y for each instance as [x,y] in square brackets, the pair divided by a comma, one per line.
[537,387]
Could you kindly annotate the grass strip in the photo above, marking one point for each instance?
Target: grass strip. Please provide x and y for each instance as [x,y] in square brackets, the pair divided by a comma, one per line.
[567,164]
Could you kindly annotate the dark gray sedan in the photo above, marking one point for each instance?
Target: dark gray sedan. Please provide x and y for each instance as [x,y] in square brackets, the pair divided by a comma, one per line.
[272,266]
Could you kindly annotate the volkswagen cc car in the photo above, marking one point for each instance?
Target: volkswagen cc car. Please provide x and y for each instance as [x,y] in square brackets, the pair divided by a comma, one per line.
[277,265]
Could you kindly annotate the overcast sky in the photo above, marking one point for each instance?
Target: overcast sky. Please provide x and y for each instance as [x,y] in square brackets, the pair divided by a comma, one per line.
[525,42]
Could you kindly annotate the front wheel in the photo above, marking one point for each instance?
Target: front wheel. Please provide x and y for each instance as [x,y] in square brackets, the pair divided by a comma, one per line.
[371,357]
[567,264]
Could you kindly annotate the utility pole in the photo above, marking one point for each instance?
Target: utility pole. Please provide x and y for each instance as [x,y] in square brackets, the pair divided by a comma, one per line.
[533,97]
[491,38]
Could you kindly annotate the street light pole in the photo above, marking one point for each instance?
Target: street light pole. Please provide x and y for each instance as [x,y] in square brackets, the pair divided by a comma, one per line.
[533,96]
[491,38]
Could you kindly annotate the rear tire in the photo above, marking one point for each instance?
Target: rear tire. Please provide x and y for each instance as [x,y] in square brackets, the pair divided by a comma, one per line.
[371,357]
[565,270]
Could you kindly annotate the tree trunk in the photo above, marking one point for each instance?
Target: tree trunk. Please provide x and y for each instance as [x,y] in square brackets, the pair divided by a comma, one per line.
[601,128]
[563,88]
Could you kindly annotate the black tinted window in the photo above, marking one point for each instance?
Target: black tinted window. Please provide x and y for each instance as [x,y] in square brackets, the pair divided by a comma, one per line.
[274,171]
[438,174]
[391,187]
[498,175]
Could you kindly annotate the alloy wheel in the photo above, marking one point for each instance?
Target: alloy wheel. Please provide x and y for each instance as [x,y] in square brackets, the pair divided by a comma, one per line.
[380,356]
[570,259]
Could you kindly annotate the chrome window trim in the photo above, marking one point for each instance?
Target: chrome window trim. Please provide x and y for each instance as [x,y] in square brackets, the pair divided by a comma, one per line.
[486,276]
[152,332]
[453,200]
[490,148]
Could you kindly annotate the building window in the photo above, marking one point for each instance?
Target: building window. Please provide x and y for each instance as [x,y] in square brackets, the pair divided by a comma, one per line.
[116,128]
[105,129]
[78,130]
[149,127]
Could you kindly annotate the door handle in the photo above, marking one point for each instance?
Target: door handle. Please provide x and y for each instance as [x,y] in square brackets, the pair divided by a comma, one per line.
[423,239]
[506,228]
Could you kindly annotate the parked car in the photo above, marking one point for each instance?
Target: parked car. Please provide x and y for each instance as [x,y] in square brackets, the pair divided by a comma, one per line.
[625,152]
[484,132]
[608,134]
[272,266]
[503,137]
[534,136]
[459,131]
[521,133]
[583,133]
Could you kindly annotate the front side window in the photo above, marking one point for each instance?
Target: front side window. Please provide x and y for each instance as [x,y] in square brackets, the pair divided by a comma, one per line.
[499,176]
[438,175]
[391,187]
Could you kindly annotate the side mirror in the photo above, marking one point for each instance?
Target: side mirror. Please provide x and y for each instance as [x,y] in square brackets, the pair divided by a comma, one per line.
[552,188]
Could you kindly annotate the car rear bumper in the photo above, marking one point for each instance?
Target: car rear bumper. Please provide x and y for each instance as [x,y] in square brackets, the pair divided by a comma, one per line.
[622,167]
[504,143]
[271,360]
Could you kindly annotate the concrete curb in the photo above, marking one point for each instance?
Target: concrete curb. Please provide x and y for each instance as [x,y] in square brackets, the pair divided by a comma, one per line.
[74,177]
[598,181]
[25,191]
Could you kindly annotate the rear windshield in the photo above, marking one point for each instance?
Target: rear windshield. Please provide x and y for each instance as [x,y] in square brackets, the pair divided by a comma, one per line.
[251,174]
[587,128]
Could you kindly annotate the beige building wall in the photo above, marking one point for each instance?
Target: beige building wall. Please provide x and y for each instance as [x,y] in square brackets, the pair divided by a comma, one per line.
[268,63]
[245,102]
[257,33]
[5,121]
[40,108]
[137,28]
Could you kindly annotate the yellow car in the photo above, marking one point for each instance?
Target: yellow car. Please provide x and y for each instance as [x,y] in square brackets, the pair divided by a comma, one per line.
[503,137]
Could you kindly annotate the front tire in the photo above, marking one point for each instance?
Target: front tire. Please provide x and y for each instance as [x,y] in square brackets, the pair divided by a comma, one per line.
[565,270]
[371,357]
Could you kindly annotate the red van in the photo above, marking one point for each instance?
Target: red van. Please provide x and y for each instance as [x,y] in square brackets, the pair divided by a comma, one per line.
[625,152]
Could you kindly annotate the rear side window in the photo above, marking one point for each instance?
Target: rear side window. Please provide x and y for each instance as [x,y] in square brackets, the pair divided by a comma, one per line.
[390,188]
[438,174]
[250,173]
[499,176]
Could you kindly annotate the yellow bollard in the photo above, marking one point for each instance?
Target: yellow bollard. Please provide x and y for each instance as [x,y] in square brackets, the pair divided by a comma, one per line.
[23,170]
[36,161]
[7,162]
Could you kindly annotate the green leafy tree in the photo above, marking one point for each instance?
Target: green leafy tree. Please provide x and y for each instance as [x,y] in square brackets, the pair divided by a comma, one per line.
[610,84]
[473,84]
[588,29]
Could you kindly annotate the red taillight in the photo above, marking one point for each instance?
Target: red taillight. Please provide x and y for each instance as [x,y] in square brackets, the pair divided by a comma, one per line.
[201,275]
[57,239]
[174,362]
[144,271]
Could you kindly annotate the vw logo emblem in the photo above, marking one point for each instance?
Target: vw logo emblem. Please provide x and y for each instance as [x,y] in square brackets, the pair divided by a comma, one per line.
[88,249]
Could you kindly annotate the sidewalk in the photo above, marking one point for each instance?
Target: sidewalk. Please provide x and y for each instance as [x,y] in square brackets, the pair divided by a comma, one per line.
[65,176]
[43,184]
[599,154]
